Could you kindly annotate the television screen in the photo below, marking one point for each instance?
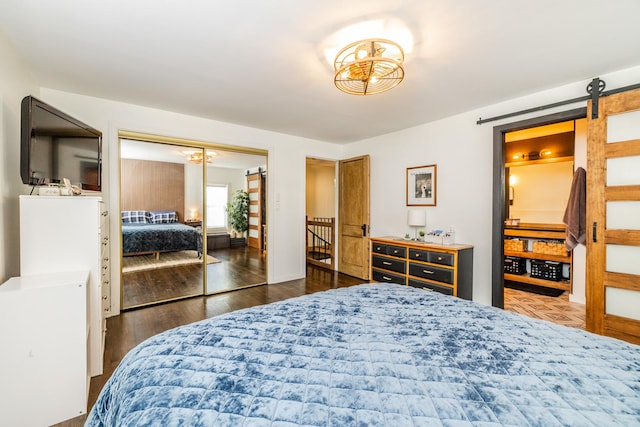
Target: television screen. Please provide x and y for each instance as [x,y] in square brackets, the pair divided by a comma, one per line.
[54,146]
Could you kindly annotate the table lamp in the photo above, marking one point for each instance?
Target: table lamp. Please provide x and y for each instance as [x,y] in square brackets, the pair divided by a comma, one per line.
[417,218]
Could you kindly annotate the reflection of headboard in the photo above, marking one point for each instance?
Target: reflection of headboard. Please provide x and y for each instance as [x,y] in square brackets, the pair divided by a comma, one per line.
[152,186]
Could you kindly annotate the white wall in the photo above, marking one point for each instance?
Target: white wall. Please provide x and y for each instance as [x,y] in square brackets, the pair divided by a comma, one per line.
[540,191]
[462,151]
[16,82]
[286,165]
[321,190]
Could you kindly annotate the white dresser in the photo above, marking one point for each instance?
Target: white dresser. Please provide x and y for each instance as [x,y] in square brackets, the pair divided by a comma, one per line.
[43,336]
[64,233]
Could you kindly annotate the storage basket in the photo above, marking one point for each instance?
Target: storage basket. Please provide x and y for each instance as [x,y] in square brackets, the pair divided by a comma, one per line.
[515,265]
[515,245]
[549,248]
[549,270]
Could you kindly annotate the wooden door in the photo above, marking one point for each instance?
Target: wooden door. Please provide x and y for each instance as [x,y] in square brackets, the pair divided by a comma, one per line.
[255,185]
[353,217]
[613,217]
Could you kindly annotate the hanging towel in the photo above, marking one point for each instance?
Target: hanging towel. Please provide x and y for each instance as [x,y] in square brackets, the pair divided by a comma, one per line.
[575,214]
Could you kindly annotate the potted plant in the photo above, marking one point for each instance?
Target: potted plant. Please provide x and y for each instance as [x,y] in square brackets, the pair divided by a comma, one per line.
[238,212]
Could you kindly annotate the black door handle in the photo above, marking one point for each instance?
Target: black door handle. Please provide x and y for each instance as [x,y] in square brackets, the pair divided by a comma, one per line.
[364,230]
[595,232]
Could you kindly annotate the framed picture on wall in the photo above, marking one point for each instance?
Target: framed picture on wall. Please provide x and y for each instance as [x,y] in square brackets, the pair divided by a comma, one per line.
[421,186]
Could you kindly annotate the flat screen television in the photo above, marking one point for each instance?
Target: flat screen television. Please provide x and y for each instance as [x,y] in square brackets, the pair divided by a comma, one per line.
[54,145]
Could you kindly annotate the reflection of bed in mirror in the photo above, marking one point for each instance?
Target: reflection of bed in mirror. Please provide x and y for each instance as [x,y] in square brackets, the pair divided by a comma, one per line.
[145,232]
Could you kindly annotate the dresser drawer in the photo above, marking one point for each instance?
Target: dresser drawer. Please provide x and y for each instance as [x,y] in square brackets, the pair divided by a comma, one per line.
[431,287]
[379,248]
[430,272]
[385,276]
[431,256]
[387,263]
[396,251]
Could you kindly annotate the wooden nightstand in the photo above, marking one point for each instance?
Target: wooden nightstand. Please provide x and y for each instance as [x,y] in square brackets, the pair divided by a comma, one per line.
[193,222]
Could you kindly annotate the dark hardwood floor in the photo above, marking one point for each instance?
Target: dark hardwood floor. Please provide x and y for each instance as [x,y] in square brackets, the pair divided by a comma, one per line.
[239,267]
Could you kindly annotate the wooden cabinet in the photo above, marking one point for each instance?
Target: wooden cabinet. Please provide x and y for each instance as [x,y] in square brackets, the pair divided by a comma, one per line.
[447,269]
[529,234]
[43,335]
[65,233]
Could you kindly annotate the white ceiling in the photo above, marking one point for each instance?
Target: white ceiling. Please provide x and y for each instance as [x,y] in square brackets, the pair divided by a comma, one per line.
[261,63]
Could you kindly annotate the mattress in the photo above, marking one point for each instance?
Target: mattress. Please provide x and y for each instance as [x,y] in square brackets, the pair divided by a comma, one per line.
[146,237]
[374,355]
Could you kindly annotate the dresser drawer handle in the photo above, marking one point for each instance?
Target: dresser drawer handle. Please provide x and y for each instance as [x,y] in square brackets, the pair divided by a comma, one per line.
[386,278]
[378,248]
[427,271]
[439,258]
[396,251]
[417,255]
[386,262]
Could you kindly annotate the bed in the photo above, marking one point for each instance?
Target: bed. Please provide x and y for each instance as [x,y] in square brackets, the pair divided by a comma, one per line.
[155,232]
[374,355]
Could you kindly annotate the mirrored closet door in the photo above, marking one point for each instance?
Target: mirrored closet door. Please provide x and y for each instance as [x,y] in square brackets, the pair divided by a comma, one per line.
[161,201]
[178,236]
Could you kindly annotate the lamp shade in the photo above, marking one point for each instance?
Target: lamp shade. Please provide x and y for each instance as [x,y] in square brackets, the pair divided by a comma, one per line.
[417,218]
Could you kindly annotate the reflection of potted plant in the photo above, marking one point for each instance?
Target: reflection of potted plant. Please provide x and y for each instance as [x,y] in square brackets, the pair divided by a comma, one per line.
[238,212]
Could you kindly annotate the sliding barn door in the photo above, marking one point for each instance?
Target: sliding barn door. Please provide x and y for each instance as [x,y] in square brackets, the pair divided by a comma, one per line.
[613,217]
[353,218]
[255,184]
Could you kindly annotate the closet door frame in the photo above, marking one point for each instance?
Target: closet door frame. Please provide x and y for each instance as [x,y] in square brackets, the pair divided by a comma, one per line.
[499,197]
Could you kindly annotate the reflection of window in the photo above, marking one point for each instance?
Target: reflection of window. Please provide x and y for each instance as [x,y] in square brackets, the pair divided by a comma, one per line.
[217,196]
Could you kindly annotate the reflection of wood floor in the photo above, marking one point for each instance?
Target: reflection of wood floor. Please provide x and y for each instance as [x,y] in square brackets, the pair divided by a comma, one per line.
[240,267]
[554,309]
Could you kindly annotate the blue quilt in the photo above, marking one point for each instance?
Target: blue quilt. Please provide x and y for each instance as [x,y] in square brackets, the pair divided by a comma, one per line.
[374,355]
[144,237]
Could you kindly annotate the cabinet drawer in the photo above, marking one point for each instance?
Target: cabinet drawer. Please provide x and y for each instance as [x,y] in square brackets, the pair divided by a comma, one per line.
[431,287]
[396,251]
[384,276]
[379,248]
[431,256]
[398,265]
[430,272]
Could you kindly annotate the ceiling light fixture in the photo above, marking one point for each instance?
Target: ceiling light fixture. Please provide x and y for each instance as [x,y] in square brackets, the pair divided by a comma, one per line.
[368,67]
[195,157]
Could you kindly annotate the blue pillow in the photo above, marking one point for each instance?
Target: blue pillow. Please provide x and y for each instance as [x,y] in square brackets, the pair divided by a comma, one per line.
[134,217]
[164,217]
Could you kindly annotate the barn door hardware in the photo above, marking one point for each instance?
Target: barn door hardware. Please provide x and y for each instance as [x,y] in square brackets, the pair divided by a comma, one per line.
[594,96]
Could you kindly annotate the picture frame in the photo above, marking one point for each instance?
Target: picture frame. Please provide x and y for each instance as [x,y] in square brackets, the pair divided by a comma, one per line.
[422,185]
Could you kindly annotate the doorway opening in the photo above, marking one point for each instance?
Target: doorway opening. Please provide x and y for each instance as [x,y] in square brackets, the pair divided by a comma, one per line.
[534,162]
[181,243]
[320,213]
